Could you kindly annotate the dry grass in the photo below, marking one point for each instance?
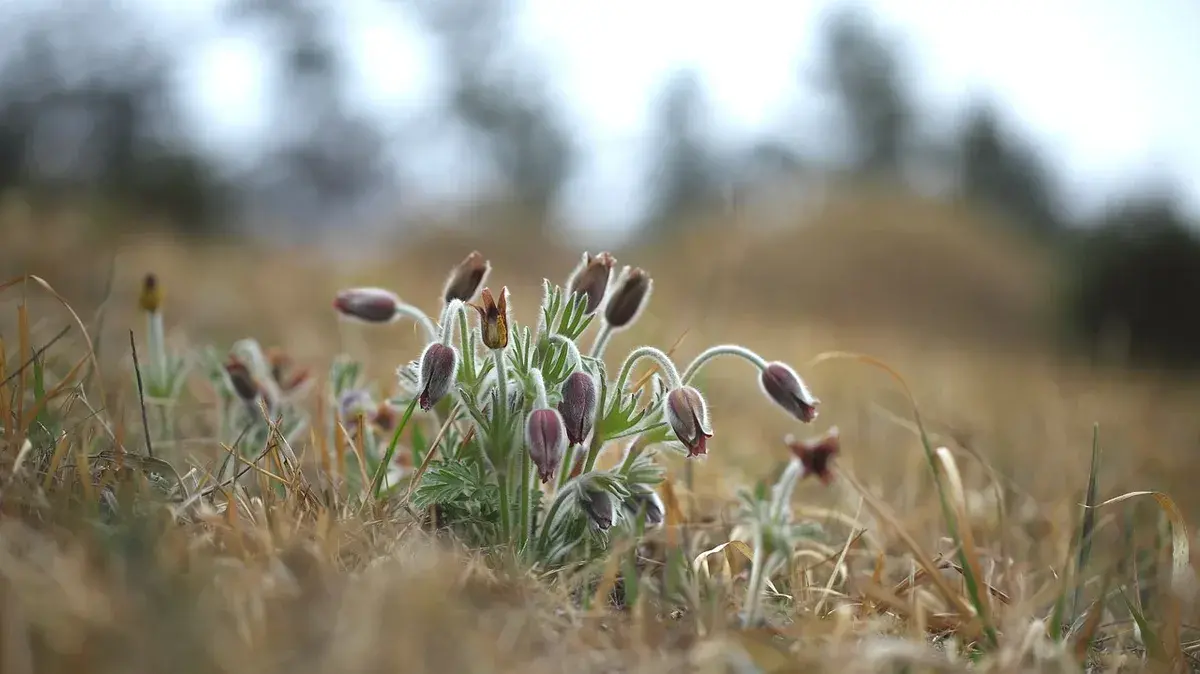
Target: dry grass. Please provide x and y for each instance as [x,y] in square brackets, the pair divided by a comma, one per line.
[94,577]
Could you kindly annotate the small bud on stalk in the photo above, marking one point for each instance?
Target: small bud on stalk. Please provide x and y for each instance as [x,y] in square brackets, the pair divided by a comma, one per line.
[151,298]
[782,385]
[546,439]
[578,406]
[371,305]
[466,278]
[244,384]
[493,319]
[817,453]
[591,278]
[439,366]
[628,298]
[688,416]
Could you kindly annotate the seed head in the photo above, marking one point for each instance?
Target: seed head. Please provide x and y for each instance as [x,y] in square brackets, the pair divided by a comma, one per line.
[466,277]
[152,295]
[645,499]
[628,298]
[439,366]
[598,506]
[591,278]
[578,406]
[688,416]
[371,305]
[817,453]
[546,439]
[781,384]
[493,319]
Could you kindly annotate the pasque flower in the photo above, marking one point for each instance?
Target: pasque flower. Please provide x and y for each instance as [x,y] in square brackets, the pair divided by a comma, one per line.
[371,305]
[782,385]
[578,406]
[151,298]
[688,416]
[598,506]
[439,366]
[591,279]
[627,299]
[647,500]
[493,319]
[546,439]
[817,453]
[466,277]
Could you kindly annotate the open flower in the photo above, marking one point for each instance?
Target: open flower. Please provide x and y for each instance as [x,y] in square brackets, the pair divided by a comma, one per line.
[371,305]
[493,319]
[546,439]
[591,279]
[688,416]
[578,406]
[782,385]
[817,453]
[439,366]
[466,277]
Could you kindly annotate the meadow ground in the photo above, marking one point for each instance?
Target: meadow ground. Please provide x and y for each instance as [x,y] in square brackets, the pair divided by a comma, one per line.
[102,572]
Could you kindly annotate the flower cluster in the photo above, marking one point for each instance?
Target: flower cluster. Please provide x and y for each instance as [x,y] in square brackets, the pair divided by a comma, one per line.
[525,412]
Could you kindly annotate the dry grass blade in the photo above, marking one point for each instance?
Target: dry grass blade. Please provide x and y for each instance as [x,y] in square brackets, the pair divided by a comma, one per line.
[962,527]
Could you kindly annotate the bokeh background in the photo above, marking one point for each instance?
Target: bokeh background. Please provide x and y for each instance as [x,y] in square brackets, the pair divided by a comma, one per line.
[999,198]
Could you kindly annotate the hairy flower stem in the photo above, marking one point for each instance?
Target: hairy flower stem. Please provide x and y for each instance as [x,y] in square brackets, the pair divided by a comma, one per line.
[663,360]
[464,341]
[539,385]
[499,427]
[158,350]
[422,318]
[752,606]
[722,350]
[602,336]
[785,487]
[547,523]
[454,307]
[564,471]
[593,452]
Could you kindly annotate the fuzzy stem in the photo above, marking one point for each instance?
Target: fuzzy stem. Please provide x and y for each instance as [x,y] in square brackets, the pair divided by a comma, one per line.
[722,350]
[431,330]
[663,360]
[505,515]
[564,472]
[158,350]
[526,497]
[786,485]
[544,538]
[602,336]
[593,452]
[752,606]
[501,386]
[447,326]
[539,388]
[464,342]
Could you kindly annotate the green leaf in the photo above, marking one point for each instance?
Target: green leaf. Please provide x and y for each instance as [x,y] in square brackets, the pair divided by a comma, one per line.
[444,482]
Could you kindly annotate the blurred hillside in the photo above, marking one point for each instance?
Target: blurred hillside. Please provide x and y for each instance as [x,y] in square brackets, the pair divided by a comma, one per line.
[951,234]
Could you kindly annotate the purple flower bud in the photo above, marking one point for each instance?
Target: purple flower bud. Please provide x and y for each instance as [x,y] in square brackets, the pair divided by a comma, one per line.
[817,453]
[466,277]
[649,501]
[372,305]
[546,439]
[598,506]
[688,416]
[439,366]
[591,279]
[578,406]
[781,384]
[628,298]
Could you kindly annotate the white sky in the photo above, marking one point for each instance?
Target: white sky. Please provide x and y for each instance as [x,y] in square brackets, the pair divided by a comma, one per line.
[1109,89]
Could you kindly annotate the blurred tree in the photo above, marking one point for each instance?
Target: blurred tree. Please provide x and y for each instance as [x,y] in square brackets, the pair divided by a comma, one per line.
[327,157]
[1000,173]
[687,174]
[86,108]
[864,73]
[1136,274]
[499,91]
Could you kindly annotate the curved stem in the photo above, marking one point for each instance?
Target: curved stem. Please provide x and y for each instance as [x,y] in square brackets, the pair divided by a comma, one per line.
[722,350]
[663,360]
[447,331]
[548,522]
[785,487]
[539,388]
[431,331]
[605,333]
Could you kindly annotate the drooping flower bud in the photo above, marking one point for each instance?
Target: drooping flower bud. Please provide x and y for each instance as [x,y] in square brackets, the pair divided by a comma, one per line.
[647,500]
[244,384]
[598,506]
[151,298]
[546,439]
[782,385]
[439,367]
[578,406]
[688,416]
[817,453]
[628,298]
[493,319]
[371,305]
[466,278]
[591,278]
